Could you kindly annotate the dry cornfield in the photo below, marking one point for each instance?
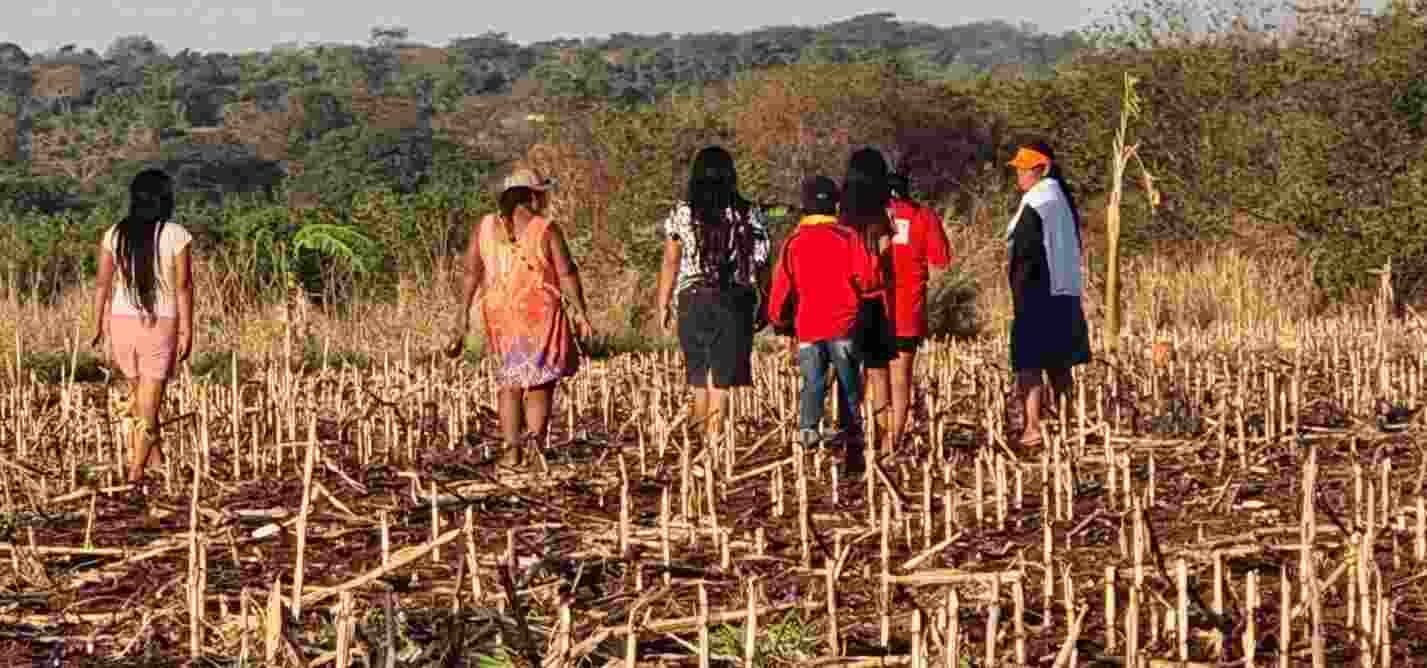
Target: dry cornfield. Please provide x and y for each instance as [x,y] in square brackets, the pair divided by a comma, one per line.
[1255,498]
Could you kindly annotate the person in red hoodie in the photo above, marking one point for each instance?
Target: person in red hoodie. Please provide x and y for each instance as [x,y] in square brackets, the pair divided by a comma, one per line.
[918,247]
[820,278]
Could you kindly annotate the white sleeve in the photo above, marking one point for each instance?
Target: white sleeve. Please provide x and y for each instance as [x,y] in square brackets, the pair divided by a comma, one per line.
[675,224]
[179,238]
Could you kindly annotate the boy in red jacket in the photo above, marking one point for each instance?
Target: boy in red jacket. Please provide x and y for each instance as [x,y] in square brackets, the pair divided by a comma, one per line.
[820,277]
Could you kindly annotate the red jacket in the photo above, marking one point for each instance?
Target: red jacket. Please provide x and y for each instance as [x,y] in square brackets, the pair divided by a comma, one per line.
[821,275]
[918,243]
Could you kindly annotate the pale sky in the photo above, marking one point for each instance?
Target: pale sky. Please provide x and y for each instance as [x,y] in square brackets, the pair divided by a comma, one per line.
[244,25]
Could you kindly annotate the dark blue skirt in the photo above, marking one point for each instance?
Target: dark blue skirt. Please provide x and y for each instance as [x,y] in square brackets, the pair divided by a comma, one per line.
[1050,333]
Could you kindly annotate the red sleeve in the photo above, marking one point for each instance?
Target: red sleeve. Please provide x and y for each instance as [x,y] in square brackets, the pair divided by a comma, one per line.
[781,289]
[938,248]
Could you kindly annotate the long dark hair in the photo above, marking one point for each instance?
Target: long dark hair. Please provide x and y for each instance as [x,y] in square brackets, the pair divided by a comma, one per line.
[514,198]
[1055,172]
[724,243]
[136,237]
[865,190]
[865,196]
[900,185]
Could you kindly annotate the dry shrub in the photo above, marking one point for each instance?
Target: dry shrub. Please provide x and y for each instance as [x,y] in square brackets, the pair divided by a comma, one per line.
[621,302]
[52,150]
[385,112]
[143,144]
[8,138]
[467,126]
[52,80]
[1200,284]
[268,131]
[585,184]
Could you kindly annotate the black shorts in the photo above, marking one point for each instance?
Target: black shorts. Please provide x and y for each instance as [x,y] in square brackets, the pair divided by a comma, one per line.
[716,335]
[1050,333]
[908,344]
[875,342]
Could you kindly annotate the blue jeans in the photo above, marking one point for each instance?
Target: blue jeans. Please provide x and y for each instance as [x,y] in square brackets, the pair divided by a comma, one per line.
[813,360]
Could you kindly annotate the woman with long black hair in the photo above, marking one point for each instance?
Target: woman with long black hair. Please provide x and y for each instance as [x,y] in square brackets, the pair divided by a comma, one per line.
[866,196]
[1048,332]
[715,256]
[149,318]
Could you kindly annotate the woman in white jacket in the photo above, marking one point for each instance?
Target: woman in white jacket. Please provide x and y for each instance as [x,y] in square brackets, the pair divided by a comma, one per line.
[1049,332]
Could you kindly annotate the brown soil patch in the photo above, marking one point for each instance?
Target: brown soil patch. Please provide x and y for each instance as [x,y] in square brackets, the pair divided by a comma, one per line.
[303,200]
[143,144]
[616,56]
[58,80]
[385,112]
[423,55]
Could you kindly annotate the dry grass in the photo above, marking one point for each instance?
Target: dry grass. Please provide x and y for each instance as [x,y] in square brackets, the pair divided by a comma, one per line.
[371,489]
[1175,290]
[1218,288]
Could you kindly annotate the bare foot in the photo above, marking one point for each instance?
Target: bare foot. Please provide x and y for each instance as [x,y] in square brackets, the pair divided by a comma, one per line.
[511,456]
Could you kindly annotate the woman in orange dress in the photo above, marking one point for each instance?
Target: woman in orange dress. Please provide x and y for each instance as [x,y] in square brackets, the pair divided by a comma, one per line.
[520,264]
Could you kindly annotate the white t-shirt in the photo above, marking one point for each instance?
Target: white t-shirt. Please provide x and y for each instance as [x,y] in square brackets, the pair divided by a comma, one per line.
[172,240]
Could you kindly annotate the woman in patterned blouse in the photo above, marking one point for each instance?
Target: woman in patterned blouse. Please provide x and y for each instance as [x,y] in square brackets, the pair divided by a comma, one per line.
[715,254]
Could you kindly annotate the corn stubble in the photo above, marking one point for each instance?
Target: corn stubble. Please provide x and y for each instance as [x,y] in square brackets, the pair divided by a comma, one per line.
[1245,494]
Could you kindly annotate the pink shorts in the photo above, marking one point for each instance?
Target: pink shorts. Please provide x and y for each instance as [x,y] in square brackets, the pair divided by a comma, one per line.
[143,348]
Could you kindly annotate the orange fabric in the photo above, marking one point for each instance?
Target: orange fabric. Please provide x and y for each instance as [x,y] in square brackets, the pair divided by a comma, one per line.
[1029,158]
[526,328]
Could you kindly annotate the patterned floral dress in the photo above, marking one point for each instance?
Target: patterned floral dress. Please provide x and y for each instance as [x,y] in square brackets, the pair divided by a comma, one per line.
[526,326]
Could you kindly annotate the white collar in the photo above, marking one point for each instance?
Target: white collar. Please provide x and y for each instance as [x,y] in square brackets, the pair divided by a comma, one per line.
[1037,194]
